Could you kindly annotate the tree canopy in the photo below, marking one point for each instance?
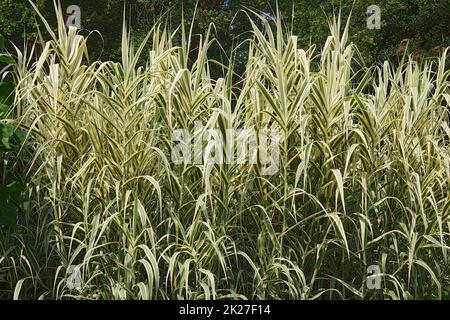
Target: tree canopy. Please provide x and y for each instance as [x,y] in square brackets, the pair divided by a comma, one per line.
[423,23]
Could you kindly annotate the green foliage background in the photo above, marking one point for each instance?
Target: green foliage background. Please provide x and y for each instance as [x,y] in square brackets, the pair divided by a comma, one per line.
[426,23]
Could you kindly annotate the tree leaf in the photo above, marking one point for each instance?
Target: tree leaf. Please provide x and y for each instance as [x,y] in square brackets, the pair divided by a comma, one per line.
[7,131]
[7,59]
[6,92]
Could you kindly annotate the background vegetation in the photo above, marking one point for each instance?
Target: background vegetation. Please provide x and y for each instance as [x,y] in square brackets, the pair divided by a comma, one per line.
[426,23]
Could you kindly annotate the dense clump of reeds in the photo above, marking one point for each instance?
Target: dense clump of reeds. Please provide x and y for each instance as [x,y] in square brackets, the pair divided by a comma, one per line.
[363,180]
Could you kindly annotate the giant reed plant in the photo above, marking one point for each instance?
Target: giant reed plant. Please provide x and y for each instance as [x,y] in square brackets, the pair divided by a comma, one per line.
[363,180]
